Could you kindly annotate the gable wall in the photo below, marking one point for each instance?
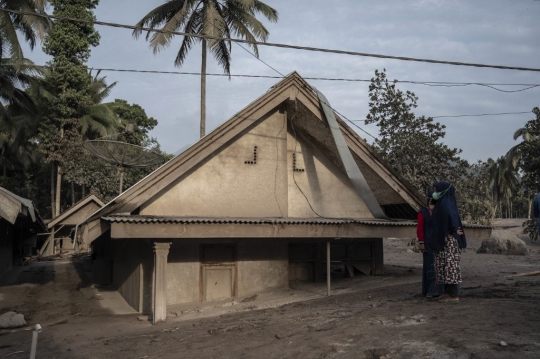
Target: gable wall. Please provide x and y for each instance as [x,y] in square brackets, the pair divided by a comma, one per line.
[81,214]
[328,190]
[226,186]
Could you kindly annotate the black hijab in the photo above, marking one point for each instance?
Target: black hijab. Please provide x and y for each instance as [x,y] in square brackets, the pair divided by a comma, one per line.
[445,218]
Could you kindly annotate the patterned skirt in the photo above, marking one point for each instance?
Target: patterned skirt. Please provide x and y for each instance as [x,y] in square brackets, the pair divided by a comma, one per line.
[447,269]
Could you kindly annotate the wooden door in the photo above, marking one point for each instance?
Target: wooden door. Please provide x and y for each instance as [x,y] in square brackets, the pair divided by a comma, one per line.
[218,272]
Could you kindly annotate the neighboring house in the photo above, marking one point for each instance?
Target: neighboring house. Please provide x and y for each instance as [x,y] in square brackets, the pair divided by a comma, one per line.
[62,227]
[261,200]
[19,226]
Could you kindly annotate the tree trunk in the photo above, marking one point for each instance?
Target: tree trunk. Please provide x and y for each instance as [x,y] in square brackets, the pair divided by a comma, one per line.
[203,89]
[83,191]
[58,189]
[58,181]
[72,193]
[529,209]
[53,206]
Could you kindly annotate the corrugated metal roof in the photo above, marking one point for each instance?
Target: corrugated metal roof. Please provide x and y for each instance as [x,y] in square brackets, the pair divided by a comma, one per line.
[292,221]
[226,220]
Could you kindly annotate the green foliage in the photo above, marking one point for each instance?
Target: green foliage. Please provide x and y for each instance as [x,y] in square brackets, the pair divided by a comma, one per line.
[504,185]
[136,116]
[17,116]
[529,152]
[33,28]
[218,18]
[530,227]
[412,145]
[474,204]
[69,44]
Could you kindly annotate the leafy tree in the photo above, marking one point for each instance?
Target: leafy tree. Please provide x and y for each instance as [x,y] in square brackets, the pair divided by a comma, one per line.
[67,100]
[17,113]
[217,18]
[530,165]
[410,143]
[412,146]
[475,205]
[135,115]
[32,27]
[504,182]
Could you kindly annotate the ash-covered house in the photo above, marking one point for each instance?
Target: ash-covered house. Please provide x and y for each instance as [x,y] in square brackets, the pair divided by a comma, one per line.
[61,228]
[252,205]
[20,224]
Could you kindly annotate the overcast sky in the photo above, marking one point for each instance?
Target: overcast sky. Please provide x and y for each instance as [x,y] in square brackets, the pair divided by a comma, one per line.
[490,32]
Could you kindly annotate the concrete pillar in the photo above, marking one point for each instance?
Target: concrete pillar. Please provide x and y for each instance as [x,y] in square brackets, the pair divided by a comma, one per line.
[159,310]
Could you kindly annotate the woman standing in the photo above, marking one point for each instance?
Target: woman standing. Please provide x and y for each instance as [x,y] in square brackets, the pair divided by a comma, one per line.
[448,240]
[430,288]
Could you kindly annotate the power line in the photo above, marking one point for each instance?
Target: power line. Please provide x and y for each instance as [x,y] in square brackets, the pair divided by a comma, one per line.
[486,114]
[258,58]
[477,115]
[427,83]
[286,46]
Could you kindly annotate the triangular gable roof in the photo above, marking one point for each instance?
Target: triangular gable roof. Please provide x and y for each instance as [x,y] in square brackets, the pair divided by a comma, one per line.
[75,208]
[11,205]
[292,87]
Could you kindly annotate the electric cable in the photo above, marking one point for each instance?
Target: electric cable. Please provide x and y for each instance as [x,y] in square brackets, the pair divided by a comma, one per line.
[281,76]
[476,115]
[279,45]
[486,114]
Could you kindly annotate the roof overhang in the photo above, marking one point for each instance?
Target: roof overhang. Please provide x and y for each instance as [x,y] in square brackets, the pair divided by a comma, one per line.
[74,209]
[12,205]
[144,227]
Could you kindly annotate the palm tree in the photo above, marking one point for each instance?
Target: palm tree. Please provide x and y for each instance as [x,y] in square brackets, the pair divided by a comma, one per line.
[215,18]
[98,118]
[503,181]
[514,155]
[92,120]
[17,112]
[32,27]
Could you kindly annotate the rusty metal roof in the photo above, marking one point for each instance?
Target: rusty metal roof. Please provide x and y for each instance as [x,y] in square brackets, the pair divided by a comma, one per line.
[291,221]
[227,220]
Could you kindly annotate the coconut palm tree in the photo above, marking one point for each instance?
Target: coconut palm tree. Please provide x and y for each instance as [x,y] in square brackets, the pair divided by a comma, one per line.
[32,27]
[503,181]
[98,118]
[215,18]
[514,154]
[17,112]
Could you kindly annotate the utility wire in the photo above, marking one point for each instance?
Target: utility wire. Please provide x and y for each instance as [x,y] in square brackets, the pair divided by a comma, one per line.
[477,115]
[258,58]
[486,114]
[427,83]
[286,46]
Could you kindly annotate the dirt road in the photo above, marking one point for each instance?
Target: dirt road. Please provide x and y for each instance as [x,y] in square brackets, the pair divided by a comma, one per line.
[366,317]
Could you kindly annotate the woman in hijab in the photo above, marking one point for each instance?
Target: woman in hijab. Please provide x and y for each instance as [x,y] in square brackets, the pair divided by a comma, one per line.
[430,288]
[448,240]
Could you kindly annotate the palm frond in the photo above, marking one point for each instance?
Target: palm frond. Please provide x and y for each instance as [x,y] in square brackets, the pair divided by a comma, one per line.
[193,24]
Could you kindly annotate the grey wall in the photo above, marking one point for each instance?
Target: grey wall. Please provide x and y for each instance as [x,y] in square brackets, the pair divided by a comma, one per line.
[133,272]
[183,272]
[262,264]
